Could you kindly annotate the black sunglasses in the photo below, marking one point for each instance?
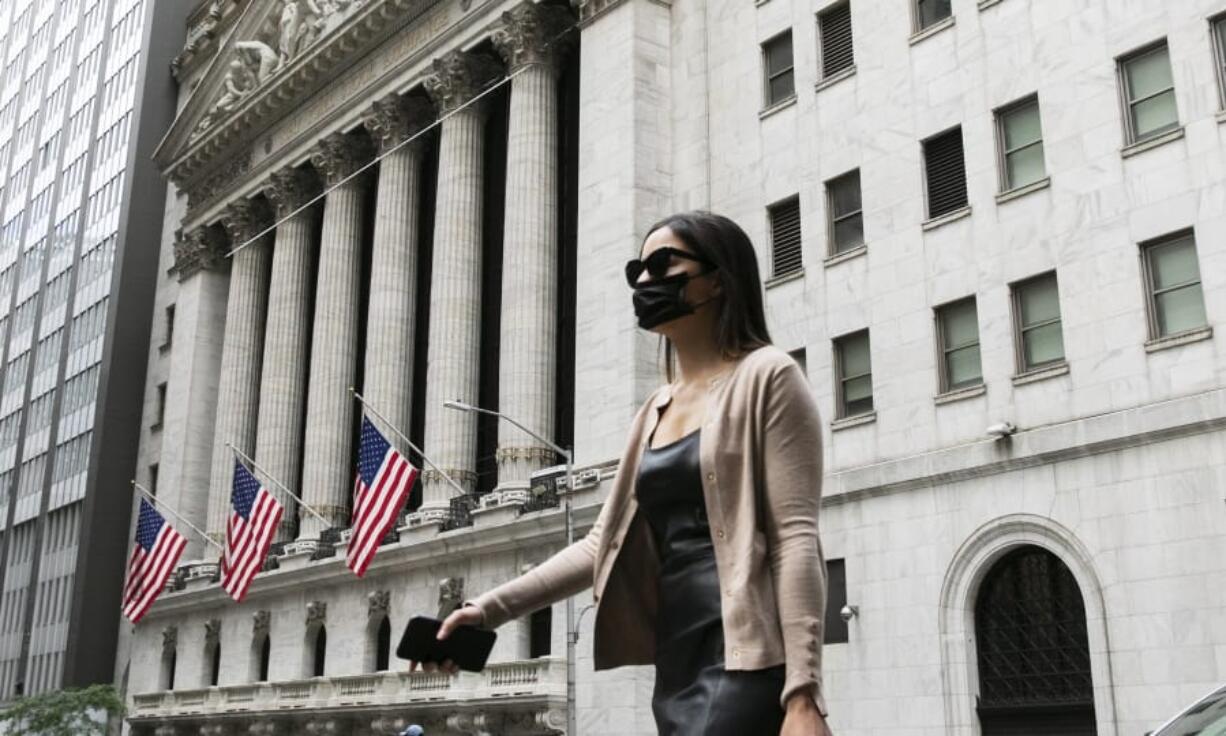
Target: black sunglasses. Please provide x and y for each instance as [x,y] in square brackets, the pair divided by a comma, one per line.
[658,262]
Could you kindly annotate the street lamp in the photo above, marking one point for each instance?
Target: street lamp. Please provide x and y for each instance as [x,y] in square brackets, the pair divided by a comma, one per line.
[571,633]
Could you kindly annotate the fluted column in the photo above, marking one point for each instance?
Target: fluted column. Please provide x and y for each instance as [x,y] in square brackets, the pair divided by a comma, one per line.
[527,38]
[328,448]
[241,354]
[391,327]
[455,297]
[278,445]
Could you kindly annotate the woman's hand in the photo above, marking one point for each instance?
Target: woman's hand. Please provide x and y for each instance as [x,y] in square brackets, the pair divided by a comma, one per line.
[804,719]
[470,615]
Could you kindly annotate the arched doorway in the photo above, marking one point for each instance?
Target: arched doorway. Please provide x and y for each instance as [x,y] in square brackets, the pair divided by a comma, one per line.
[1032,647]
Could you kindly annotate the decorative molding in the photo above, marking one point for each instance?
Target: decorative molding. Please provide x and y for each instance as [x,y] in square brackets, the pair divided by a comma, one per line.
[210,188]
[212,632]
[516,453]
[340,155]
[316,613]
[291,188]
[394,119]
[466,478]
[200,36]
[246,218]
[590,10]
[201,249]
[170,639]
[260,622]
[533,34]
[377,603]
[459,77]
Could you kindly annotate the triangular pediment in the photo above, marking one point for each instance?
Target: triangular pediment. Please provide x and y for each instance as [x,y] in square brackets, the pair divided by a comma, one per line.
[261,52]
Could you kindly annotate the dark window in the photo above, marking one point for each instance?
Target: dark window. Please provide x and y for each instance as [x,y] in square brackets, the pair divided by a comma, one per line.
[215,672]
[958,337]
[854,373]
[540,633]
[265,658]
[929,12]
[801,359]
[1219,54]
[836,598]
[321,652]
[945,173]
[1149,93]
[383,645]
[161,406]
[846,216]
[1036,308]
[153,479]
[834,33]
[169,658]
[780,77]
[1172,275]
[170,326]
[785,236]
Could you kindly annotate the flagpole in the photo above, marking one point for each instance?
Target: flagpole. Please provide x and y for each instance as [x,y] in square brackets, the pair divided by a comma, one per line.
[194,528]
[401,435]
[327,524]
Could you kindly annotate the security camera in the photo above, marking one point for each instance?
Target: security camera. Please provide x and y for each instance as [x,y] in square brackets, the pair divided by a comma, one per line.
[847,613]
[1001,429]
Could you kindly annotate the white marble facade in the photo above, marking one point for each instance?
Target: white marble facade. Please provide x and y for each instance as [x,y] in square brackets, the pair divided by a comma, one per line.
[1118,465]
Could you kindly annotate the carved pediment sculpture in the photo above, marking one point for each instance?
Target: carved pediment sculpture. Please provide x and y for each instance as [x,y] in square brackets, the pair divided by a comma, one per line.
[282,37]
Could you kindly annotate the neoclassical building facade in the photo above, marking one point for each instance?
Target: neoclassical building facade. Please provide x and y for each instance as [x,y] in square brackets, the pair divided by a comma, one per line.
[1004,281]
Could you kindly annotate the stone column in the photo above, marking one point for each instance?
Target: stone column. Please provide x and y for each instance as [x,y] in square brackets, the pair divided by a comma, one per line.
[278,445]
[241,354]
[191,386]
[328,451]
[527,38]
[455,297]
[390,330]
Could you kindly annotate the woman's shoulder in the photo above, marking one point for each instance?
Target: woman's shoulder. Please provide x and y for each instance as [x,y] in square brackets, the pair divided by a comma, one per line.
[767,359]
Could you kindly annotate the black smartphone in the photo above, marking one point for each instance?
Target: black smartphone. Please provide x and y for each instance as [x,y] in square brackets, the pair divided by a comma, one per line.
[468,646]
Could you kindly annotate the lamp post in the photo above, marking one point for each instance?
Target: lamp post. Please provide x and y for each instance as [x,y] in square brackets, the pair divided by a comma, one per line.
[571,634]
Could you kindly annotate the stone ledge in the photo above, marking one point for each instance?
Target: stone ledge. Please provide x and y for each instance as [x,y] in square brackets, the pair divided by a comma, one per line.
[835,78]
[1011,194]
[847,255]
[776,280]
[1040,374]
[783,104]
[933,223]
[931,30]
[1133,149]
[959,394]
[1183,338]
[854,421]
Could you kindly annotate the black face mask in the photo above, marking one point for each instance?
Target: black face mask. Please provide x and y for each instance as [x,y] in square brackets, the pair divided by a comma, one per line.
[661,300]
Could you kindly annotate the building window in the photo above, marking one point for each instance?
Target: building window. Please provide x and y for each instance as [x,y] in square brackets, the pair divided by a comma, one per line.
[265,656]
[1219,50]
[383,645]
[945,173]
[855,376]
[215,665]
[320,654]
[785,236]
[1019,139]
[780,79]
[1172,276]
[836,598]
[1149,93]
[846,227]
[931,12]
[160,413]
[170,656]
[834,35]
[170,326]
[958,336]
[540,633]
[1037,333]
[153,479]
[801,359]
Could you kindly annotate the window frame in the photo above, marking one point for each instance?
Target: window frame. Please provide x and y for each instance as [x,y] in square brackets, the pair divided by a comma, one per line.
[1002,151]
[840,403]
[825,12]
[767,77]
[1127,104]
[771,209]
[944,386]
[832,221]
[1217,37]
[917,22]
[928,216]
[1146,249]
[1019,330]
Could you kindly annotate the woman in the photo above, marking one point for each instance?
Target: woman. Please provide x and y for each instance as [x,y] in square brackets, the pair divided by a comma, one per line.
[720,581]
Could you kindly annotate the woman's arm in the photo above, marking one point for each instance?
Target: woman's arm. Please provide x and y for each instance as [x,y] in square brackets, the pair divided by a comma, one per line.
[566,573]
[792,483]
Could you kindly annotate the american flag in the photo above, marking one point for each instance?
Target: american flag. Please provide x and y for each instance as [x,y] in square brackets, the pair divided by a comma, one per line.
[249,533]
[380,489]
[157,550]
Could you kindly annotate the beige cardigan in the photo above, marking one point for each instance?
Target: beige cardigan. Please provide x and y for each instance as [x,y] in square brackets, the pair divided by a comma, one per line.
[760,452]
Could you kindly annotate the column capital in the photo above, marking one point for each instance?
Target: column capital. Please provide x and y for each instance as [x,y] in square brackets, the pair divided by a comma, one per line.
[339,155]
[199,250]
[532,34]
[246,218]
[394,119]
[589,10]
[290,188]
[458,77]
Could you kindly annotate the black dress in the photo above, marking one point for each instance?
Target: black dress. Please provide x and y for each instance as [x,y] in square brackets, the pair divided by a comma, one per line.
[694,695]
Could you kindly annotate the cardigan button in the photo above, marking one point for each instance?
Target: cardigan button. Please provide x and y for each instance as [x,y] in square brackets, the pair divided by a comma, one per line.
[720,533]
[710,476]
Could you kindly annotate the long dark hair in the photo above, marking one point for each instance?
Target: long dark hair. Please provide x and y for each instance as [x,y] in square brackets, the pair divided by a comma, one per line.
[741,325]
